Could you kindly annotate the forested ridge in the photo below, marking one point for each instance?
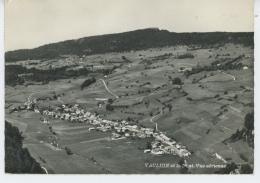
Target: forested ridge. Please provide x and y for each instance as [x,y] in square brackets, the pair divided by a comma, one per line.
[127,41]
[18,159]
[12,73]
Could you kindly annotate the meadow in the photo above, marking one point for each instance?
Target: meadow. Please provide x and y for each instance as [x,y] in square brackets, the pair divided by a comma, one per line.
[193,118]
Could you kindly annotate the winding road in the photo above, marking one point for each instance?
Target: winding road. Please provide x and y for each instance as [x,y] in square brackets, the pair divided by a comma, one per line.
[45,170]
[31,95]
[108,89]
[37,92]
[60,100]
[227,74]
[151,120]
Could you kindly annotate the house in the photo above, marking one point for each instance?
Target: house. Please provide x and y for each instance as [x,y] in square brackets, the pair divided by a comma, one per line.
[185,69]
[36,110]
[165,137]
[142,129]
[142,136]
[148,133]
[147,150]
[245,68]
[92,129]
[149,129]
[116,135]
[247,55]
[184,152]
[108,127]
[134,130]
[117,128]
[155,144]
[45,120]
[157,151]
[22,108]
[127,134]
[236,171]
[178,146]
[159,138]
[169,149]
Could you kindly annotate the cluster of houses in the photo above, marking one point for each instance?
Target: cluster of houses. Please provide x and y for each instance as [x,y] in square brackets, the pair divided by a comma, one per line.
[31,105]
[119,129]
[165,145]
[28,106]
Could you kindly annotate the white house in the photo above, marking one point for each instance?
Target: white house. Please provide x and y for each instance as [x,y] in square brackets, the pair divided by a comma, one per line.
[245,68]
[147,150]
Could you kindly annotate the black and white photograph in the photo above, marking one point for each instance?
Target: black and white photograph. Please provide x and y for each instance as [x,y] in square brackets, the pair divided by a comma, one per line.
[129,87]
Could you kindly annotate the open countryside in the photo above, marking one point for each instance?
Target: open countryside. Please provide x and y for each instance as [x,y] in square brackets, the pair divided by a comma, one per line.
[116,112]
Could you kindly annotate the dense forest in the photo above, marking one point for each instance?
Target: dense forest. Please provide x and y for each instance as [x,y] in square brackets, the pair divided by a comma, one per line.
[17,158]
[12,73]
[221,64]
[244,169]
[247,133]
[87,82]
[127,41]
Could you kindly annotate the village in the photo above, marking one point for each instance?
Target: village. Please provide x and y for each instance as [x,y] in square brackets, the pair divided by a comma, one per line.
[120,129]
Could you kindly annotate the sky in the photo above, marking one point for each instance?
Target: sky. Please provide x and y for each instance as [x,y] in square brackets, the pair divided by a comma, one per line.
[32,23]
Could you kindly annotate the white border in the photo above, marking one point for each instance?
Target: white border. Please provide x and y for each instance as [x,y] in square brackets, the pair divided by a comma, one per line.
[135,178]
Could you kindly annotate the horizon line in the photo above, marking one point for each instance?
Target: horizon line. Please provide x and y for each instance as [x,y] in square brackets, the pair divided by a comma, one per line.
[126,32]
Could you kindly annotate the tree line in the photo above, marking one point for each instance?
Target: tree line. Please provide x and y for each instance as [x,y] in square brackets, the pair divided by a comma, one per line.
[12,73]
[222,64]
[87,82]
[18,159]
[247,133]
[127,41]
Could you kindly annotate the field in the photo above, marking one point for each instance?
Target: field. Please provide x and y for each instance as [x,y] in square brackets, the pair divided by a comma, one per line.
[140,91]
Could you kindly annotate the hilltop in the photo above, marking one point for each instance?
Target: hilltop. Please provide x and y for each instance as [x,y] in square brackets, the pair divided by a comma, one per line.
[127,41]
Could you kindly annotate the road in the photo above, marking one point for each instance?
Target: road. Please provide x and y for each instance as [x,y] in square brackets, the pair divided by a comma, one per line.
[227,128]
[31,95]
[151,120]
[45,170]
[94,108]
[37,92]
[145,96]
[105,138]
[108,89]
[142,98]
[60,100]
[227,74]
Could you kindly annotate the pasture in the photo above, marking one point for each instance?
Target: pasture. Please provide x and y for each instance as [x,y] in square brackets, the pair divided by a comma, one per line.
[195,116]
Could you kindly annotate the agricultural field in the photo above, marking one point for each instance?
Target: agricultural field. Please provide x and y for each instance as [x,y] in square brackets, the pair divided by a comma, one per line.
[201,112]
